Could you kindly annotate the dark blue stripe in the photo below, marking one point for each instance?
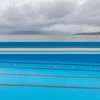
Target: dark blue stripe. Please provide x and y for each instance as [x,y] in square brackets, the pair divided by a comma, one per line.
[49,44]
[78,58]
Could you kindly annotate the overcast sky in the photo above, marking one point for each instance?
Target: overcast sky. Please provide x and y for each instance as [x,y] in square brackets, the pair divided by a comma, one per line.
[50,16]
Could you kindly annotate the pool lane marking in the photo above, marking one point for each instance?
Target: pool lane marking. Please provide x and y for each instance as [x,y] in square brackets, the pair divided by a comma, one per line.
[51,76]
[49,49]
[48,86]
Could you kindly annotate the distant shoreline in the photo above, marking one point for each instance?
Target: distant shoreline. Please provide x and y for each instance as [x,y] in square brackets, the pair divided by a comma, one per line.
[48,38]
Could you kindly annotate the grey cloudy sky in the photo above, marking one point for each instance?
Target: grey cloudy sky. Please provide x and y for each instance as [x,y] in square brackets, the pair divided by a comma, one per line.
[50,16]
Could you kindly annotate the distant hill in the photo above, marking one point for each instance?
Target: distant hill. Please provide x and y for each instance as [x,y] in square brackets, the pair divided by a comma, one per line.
[93,33]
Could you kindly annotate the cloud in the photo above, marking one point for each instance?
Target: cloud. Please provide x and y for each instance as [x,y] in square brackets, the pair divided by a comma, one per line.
[71,28]
[60,16]
[89,13]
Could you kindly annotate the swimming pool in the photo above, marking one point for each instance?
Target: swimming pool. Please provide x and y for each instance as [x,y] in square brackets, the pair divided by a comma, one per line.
[46,77]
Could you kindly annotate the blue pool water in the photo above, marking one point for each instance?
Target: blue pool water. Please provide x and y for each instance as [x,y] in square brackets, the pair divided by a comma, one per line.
[50,77]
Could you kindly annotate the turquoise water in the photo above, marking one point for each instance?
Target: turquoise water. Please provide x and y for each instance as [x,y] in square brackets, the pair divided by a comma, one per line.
[49,77]
[24,80]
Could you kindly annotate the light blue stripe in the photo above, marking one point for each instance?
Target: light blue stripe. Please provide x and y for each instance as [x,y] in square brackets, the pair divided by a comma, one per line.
[50,52]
